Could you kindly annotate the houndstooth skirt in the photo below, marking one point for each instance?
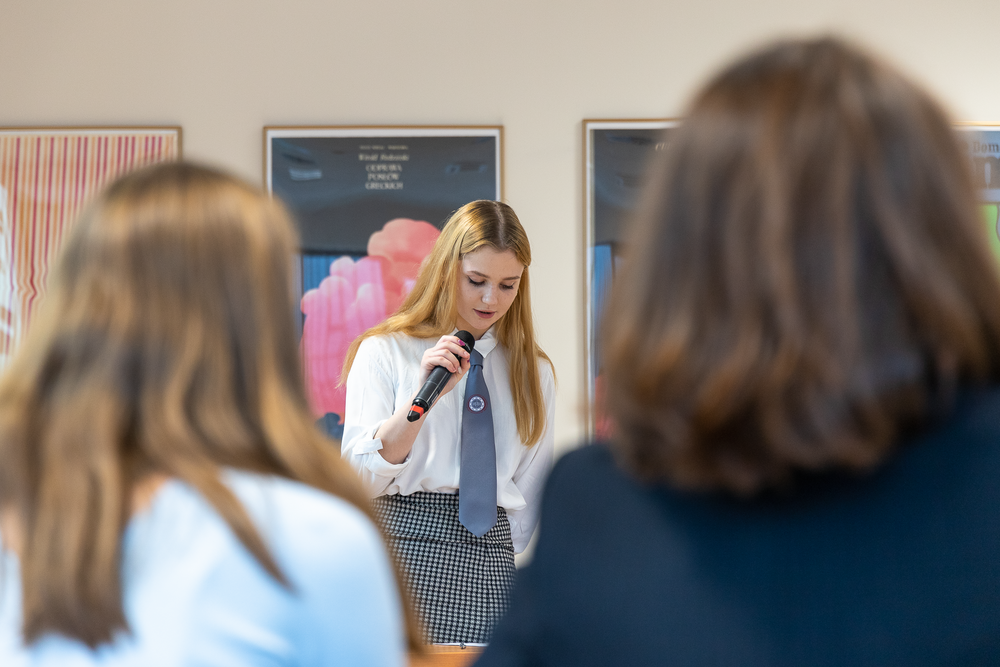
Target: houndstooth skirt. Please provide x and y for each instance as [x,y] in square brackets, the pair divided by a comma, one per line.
[459,583]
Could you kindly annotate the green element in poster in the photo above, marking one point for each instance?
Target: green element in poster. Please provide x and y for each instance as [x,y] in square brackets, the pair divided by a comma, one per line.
[990,214]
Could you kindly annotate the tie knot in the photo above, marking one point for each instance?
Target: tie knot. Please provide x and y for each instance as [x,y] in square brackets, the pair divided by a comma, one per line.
[475,359]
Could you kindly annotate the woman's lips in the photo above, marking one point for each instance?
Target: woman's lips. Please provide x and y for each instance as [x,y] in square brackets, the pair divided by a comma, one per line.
[483,314]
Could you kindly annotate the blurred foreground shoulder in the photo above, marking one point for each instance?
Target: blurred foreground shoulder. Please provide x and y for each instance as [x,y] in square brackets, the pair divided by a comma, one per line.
[590,464]
[337,565]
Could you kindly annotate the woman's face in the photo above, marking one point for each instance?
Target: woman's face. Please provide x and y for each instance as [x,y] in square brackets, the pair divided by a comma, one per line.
[487,284]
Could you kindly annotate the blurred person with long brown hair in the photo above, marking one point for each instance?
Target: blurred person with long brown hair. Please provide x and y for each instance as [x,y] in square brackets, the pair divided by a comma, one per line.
[804,356]
[165,496]
[458,570]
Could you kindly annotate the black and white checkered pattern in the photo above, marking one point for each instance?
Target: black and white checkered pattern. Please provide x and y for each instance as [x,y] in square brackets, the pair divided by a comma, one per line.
[459,583]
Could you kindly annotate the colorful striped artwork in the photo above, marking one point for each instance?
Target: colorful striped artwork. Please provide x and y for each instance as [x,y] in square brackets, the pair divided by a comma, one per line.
[46,178]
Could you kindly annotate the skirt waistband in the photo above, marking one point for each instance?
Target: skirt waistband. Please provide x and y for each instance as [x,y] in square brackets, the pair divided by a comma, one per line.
[433,516]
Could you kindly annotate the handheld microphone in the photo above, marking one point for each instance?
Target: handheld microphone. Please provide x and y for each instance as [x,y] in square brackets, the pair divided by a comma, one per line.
[435,382]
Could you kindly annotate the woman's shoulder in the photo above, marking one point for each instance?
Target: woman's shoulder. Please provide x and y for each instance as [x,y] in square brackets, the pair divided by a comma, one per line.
[294,519]
[300,512]
[591,463]
[546,372]
[378,352]
[375,344]
[390,345]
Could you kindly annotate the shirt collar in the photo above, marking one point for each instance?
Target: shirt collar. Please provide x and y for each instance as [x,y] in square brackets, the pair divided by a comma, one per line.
[485,344]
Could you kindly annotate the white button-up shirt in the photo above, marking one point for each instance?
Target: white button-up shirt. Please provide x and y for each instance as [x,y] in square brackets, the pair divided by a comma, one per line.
[386,374]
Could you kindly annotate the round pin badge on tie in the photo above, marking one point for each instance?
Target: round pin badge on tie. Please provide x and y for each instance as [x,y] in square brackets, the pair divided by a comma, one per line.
[477,403]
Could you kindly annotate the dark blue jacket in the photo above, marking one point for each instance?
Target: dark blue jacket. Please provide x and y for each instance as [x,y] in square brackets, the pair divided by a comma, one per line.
[898,567]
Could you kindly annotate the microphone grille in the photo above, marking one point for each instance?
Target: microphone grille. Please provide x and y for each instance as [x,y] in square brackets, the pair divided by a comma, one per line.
[467,338]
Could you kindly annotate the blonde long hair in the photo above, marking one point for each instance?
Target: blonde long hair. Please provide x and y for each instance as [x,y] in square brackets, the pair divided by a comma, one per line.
[166,345]
[430,310]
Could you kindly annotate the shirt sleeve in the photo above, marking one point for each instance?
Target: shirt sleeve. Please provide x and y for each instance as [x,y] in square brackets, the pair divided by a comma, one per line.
[371,399]
[534,468]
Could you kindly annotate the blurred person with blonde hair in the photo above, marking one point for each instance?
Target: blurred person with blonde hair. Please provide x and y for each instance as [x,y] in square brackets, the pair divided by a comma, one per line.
[456,488]
[165,497]
[804,381]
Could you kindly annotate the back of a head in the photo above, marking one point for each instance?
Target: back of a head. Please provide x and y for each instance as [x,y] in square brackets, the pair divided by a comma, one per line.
[808,276]
[173,292]
[166,344]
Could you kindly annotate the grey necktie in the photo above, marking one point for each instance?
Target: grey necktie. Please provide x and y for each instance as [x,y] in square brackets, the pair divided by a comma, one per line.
[477,484]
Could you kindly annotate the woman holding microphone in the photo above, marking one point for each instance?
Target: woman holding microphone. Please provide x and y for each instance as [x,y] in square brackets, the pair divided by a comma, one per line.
[453,532]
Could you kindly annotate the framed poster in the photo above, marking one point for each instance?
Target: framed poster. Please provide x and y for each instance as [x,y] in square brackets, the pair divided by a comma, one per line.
[369,202]
[616,154]
[982,144]
[47,174]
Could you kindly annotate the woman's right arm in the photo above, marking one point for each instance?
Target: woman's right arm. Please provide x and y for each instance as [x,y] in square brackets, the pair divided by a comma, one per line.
[377,436]
[398,433]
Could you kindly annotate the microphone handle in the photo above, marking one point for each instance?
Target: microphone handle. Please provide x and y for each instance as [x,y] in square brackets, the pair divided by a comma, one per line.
[425,398]
[436,381]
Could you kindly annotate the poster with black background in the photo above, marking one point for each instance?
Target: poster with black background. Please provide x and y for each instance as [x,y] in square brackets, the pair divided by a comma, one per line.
[982,146]
[369,202]
[617,152]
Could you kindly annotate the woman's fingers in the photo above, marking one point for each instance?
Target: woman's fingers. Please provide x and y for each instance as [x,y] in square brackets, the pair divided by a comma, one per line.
[446,360]
[451,349]
[449,353]
[455,346]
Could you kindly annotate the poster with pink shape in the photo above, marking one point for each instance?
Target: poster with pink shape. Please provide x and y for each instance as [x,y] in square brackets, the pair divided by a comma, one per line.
[368,202]
[356,296]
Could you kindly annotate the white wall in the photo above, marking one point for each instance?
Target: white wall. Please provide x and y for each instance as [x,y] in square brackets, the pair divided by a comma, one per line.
[223,69]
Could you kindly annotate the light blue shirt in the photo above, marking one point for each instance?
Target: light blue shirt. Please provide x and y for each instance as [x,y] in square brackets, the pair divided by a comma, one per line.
[193,595]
